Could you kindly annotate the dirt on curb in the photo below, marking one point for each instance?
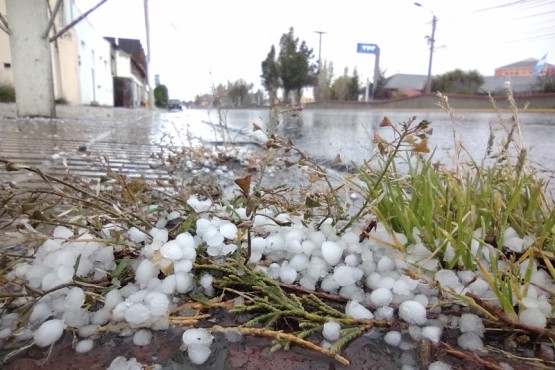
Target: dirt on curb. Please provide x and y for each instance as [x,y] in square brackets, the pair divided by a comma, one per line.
[251,353]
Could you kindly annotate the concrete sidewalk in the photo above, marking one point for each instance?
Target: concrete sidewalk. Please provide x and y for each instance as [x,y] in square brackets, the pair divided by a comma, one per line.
[86,141]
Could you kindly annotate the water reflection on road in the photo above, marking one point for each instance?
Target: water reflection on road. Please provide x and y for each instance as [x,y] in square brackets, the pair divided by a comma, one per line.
[325,133]
[90,140]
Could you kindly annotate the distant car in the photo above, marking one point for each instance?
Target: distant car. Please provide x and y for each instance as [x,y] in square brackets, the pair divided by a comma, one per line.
[174,104]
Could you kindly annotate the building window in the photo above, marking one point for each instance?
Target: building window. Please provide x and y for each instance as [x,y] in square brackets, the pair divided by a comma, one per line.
[7,65]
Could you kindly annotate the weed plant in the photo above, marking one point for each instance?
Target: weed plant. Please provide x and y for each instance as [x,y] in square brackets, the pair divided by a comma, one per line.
[460,213]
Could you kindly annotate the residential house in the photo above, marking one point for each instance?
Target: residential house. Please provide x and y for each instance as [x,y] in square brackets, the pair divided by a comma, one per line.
[6,72]
[85,65]
[80,61]
[519,77]
[523,68]
[129,69]
[405,85]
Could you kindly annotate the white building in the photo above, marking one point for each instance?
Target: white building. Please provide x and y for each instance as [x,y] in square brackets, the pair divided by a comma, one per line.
[129,68]
[81,59]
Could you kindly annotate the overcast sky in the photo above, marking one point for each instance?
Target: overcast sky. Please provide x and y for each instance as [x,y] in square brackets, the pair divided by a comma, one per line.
[197,44]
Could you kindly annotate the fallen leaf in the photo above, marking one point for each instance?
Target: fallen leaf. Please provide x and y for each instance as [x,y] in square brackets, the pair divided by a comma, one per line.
[244,184]
[421,147]
[385,122]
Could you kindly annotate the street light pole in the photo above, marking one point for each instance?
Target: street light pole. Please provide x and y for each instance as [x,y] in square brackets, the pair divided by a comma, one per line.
[148,60]
[320,50]
[431,40]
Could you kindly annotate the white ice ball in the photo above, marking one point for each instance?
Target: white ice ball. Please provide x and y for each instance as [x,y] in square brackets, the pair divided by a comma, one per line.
[136,235]
[346,275]
[386,264]
[287,274]
[84,346]
[331,331]
[62,232]
[172,250]
[197,336]
[137,314]
[532,317]
[228,230]
[332,252]
[471,341]
[358,311]
[299,262]
[470,322]
[412,312]
[381,297]
[158,303]
[146,271]
[48,333]
[432,333]
[198,353]
[393,338]
[142,337]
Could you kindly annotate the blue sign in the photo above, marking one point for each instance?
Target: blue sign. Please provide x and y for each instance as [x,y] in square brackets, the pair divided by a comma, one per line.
[367,48]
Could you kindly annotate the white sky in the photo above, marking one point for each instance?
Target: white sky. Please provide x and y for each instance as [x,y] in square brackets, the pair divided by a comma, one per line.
[198,44]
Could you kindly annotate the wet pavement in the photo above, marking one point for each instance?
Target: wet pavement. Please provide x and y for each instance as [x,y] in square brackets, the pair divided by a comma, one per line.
[85,141]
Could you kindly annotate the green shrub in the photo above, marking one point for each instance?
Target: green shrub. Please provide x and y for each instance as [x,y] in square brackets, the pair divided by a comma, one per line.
[7,93]
[161,96]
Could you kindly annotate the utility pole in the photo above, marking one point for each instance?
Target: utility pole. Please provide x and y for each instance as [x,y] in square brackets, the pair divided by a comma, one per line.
[320,50]
[148,60]
[431,41]
[31,58]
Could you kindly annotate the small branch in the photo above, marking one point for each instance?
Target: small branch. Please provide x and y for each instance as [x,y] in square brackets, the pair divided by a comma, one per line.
[323,295]
[471,357]
[197,306]
[496,312]
[279,335]
[187,320]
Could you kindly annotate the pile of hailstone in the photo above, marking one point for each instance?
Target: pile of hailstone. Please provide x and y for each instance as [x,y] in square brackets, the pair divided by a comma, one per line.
[369,274]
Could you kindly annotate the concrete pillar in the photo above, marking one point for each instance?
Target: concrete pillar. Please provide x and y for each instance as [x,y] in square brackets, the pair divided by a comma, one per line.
[31,59]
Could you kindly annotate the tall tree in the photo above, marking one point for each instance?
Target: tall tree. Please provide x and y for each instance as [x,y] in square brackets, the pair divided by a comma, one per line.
[161,96]
[295,68]
[322,89]
[353,87]
[340,87]
[380,91]
[458,82]
[238,92]
[270,75]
